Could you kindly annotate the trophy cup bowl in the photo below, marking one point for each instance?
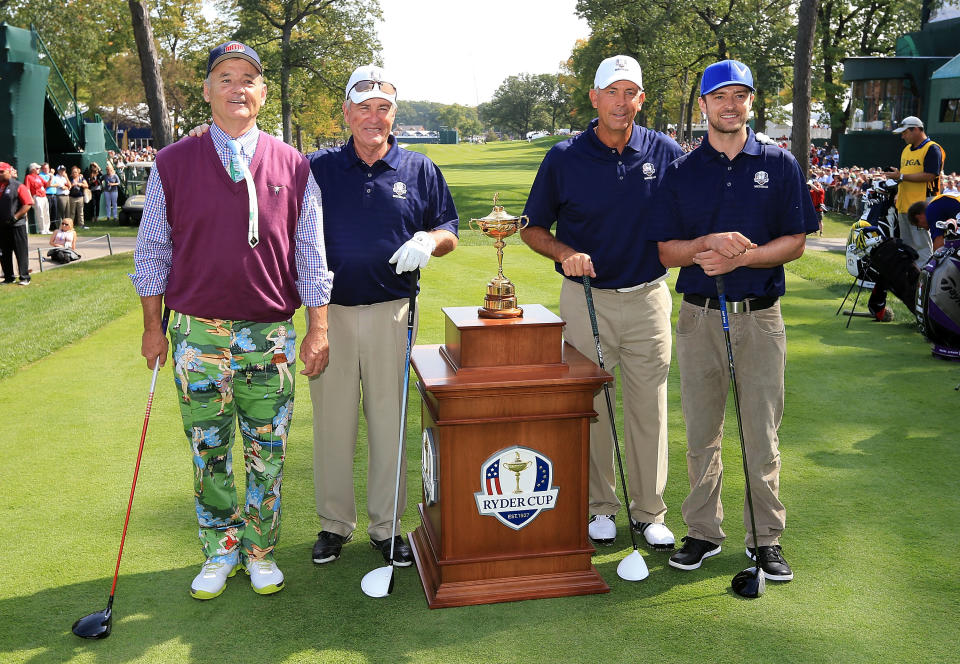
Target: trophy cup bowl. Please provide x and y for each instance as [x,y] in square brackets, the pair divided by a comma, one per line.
[501,297]
[516,467]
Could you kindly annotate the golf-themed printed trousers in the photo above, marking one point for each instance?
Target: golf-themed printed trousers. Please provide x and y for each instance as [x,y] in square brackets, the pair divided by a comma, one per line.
[228,372]
[369,347]
[635,335]
[759,354]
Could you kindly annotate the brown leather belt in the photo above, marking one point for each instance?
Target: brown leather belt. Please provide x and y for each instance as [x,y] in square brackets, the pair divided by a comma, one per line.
[742,306]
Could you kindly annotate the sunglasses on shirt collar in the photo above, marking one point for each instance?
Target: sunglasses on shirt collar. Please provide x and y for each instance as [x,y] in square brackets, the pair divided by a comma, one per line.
[367,85]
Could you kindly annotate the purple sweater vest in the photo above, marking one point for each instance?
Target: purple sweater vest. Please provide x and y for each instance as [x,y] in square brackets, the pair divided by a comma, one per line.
[215,273]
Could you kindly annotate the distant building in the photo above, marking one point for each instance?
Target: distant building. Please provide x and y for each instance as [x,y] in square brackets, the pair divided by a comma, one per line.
[922,79]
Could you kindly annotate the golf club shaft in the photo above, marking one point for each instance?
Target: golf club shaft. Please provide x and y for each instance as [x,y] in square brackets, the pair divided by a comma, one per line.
[136,469]
[411,309]
[588,293]
[736,406]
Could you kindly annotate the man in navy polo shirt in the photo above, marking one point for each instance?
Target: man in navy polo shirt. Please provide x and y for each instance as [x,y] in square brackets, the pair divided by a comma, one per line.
[738,208]
[598,187]
[386,210]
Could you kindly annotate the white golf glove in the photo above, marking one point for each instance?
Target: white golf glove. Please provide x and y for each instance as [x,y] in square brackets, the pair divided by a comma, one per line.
[414,253]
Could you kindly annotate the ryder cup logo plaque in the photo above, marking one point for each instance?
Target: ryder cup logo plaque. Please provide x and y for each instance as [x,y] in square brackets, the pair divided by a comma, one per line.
[517,486]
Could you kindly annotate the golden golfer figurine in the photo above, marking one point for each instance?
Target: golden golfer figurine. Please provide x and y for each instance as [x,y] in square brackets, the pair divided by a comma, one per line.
[501,298]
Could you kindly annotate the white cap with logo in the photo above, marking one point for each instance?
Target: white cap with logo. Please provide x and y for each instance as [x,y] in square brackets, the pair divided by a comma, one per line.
[618,68]
[370,81]
[907,122]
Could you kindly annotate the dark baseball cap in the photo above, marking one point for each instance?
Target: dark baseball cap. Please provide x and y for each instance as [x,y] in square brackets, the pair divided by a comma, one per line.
[232,49]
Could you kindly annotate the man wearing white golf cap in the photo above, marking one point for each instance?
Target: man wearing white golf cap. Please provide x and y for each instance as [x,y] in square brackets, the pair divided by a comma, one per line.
[921,164]
[387,211]
[598,187]
[232,239]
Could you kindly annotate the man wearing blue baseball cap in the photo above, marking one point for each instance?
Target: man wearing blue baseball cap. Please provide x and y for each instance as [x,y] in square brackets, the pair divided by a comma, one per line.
[232,239]
[598,187]
[735,207]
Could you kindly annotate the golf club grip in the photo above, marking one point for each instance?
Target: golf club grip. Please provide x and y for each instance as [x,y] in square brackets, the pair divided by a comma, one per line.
[588,293]
[414,280]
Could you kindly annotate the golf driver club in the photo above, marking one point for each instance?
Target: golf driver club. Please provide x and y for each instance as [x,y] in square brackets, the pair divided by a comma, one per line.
[97,625]
[633,567]
[379,582]
[749,583]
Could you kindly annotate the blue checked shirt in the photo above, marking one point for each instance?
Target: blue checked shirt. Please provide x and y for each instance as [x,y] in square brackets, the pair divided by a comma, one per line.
[154,253]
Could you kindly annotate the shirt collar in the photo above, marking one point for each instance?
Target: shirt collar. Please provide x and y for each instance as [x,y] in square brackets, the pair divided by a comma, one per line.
[349,158]
[752,147]
[247,141]
[635,143]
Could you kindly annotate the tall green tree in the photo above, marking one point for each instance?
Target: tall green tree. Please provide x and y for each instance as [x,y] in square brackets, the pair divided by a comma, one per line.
[847,28]
[150,74]
[802,77]
[519,104]
[311,45]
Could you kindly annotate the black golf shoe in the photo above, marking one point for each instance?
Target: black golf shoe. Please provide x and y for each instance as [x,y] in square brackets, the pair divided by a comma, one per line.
[328,546]
[692,553]
[402,555]
[772,563]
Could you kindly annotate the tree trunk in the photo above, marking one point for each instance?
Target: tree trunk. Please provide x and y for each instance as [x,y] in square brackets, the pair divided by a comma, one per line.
[803,56]
[150,74]
[691,105]
[760,105]
[285,109]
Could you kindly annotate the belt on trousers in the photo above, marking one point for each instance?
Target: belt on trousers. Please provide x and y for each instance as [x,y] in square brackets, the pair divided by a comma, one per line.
[743,306]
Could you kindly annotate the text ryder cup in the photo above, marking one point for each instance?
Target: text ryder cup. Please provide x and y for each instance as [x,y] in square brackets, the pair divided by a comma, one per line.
[542,500]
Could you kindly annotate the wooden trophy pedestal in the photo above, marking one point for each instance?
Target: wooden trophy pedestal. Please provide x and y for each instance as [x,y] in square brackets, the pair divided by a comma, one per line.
[506,409]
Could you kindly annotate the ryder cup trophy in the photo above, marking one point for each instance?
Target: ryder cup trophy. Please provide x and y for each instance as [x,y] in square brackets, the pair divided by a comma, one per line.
[501,298]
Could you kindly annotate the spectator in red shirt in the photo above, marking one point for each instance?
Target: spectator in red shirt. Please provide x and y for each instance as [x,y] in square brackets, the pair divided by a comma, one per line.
[38,189]
[15,202]
[817,195]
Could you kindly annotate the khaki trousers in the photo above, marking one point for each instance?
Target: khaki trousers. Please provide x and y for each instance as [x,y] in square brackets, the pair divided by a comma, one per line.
[367,350]
[916,237]
[635,335]
[759,354]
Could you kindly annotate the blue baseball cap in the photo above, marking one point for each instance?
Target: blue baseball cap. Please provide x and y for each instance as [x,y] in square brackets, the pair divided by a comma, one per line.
[232,49]
[726,72]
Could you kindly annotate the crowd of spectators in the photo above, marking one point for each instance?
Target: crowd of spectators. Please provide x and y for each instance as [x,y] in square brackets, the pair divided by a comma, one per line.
[120,159]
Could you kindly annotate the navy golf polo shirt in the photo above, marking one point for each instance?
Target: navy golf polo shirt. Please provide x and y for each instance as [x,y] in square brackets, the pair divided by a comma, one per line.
[600,200]
[760,193]
[370,211]
[941,208]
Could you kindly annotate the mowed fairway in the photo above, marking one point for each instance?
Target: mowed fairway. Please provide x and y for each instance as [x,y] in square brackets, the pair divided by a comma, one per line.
[868,442]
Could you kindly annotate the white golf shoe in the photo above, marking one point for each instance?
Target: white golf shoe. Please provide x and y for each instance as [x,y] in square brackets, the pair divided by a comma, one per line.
[602,530]
[212,579]
[265,577]
[658,536]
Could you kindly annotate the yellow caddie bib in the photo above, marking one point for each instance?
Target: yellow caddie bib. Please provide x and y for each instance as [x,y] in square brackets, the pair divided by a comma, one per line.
[911,161]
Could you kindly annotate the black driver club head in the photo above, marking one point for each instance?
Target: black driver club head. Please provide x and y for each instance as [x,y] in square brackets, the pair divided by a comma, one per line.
[94,626]
[749,583]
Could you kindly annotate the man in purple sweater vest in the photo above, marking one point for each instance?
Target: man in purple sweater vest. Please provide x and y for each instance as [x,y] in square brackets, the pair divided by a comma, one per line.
[232,239]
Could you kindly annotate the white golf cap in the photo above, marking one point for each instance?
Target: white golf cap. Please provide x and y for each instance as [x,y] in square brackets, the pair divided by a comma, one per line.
[907,122]
[618,68]
[383,87]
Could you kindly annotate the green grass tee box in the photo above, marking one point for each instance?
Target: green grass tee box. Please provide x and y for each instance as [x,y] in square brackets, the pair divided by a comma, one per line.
[868,446]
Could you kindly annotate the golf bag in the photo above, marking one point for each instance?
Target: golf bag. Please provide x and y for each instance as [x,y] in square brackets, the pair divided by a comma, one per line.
[63,255]
[886,262]
[878,208]
[938,300]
